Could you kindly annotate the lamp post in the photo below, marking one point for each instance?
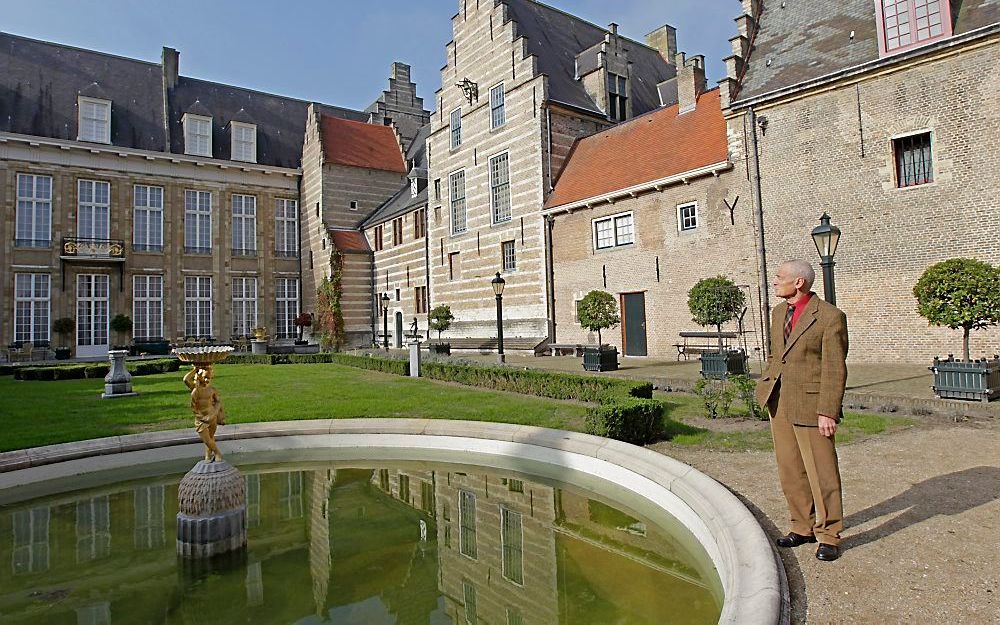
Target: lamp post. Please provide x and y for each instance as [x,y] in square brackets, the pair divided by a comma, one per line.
[498,284]
[826,237]
[385,320]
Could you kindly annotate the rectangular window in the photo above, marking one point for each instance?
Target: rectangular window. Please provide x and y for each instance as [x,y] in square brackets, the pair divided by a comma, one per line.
[397,231]
[244,225]
[93,529]
[913,160]
[383,479]
[95,120]
[613,231]
[198,222]
[427,497]
[909,23]
[93,210]
[500,188]
[197,135]
[198,306]
[437,190]
[149,518]
[456,183]
[511,542]
[291,496]
[456,128]
[467,523]
[31,307]
[508,256]
[244,146]
[514,617]
[404,487]
[252,483]
[379,234]
[244,306]
[469,596]
[498,116]
[617,97]
[147,230]
[30,553]
[34,211]
[420,223]
[420,299]
[147,307]
[286,228]
[687,216]
[287,301]
[453,268]
[353,205]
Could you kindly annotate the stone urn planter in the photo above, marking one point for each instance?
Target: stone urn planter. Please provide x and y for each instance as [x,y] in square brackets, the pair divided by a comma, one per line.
[977,380]
[603,358]
[721,365]
[258,346]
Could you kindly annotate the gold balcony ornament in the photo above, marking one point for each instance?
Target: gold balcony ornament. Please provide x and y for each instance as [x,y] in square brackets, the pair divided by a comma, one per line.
[71,248]
[205,401]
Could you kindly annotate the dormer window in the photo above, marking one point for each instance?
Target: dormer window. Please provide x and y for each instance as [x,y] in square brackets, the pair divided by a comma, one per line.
[197,135]
[244,146]
[617,97]
[94,120]
[905,24]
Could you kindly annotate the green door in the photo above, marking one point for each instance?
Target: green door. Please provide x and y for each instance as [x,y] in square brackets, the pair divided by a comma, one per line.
[634,305]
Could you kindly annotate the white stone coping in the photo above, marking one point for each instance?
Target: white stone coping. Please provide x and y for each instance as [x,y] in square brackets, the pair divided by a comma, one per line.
[726,529]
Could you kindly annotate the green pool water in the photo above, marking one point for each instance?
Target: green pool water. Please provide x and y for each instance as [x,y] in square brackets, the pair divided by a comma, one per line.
[332,542]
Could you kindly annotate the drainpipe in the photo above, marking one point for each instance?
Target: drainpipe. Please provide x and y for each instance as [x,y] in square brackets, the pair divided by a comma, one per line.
[762,281]
[550,289]
[374,301]
[427,260]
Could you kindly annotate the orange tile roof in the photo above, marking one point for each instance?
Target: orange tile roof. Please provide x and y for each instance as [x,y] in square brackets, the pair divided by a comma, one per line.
[651,147]
[349,241]
[357,144]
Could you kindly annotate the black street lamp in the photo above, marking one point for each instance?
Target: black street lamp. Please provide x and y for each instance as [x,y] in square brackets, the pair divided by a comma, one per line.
[498,284]
[385,320]
[826,238]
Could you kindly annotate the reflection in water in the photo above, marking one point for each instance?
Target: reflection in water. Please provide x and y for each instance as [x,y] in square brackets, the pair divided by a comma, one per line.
[407,544]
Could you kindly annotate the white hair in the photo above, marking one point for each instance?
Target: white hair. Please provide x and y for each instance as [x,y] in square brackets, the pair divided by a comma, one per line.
[801,269]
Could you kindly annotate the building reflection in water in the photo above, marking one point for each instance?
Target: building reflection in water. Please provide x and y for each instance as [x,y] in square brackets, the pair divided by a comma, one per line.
[414,545]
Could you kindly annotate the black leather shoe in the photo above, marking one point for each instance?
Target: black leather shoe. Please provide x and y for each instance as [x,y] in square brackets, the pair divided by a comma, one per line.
[794,540]
[827,553]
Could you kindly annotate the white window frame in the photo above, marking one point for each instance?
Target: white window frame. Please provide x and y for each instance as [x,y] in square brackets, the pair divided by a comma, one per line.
[98,209]
[197,143]
[290,499]
[30,546]
[244,305]
[93,529]
[100,135]
[286,227]
[33,203]
[452,200]
[512,246]
[681,220]
[198,306]
[37,305]
[149,531]
[197,221]
[499,189]
[455,125]
[144,202]
[614,230]
[244,226]
[286,306]
[498,107]
[147,306]
[242,148]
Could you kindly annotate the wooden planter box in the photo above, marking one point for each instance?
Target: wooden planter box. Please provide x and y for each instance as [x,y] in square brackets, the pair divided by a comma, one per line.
[600,359]
[977,380]
[719,366]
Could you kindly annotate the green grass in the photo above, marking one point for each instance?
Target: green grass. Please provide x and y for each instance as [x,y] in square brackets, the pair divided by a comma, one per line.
[43,413]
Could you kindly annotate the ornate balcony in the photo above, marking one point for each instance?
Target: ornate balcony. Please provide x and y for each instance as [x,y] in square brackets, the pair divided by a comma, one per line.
[74,248]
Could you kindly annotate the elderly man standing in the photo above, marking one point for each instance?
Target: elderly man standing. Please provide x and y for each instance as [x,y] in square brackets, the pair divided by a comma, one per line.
[803,389]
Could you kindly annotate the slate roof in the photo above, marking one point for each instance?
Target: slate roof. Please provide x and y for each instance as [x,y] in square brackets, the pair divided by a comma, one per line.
[654,146]
[809,39]
[402,202]
[556,38]
[359,144]
[40,82]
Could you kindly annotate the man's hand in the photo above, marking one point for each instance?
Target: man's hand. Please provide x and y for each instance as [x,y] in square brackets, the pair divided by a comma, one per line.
[827,426]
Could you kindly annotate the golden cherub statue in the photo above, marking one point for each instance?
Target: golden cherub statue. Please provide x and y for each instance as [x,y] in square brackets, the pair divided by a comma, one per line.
[207,408]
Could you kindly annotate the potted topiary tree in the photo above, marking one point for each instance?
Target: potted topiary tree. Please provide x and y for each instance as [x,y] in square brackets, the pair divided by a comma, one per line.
[598,311]
[962,293]
[64,327]
[121,325]
[713,302]
[440,320]
[303,321]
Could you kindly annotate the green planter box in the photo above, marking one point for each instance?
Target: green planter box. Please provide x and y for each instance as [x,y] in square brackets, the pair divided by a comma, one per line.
[603,359]
[443,349]
[977,380]
[718,366]
[159,347]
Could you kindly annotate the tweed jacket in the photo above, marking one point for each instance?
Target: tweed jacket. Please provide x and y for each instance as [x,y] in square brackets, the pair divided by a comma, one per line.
[810,365]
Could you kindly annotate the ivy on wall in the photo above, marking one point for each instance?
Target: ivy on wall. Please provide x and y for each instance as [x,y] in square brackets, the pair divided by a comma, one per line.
[329,314]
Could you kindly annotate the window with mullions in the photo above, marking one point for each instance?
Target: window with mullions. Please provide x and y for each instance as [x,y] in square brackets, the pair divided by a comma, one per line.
[34,211]
[687,217]
[509,256]
[244,225]
[456,128]
[198,222]
[147,307]
[512,543]
[290,501]
[197,135]
[498,114]
[914,165]
[31,306]
[94,123]
[286,228]
[93,529]
[149,532]
[147,230]
[244,147]
[500,187]
[30,549]
[469,596]
[198,306]
[287,301]
[467,524]
[617,97]
[244,306]
[614,231]
[907,24]
[457,184]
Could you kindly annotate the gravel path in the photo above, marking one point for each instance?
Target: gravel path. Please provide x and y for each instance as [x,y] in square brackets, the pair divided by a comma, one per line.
[923,519]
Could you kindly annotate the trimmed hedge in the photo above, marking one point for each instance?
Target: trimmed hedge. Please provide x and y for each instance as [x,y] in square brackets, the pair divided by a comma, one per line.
[96,370]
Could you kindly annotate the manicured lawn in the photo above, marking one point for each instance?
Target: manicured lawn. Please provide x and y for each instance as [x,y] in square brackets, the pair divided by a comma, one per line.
[42,413]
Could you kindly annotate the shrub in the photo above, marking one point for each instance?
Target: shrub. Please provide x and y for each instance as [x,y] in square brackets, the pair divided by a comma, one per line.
[745,387]
[715,301]
[95,370]
[249,359]
[628,419]
[960,293]
[385,365]
[716,396]
[598,311]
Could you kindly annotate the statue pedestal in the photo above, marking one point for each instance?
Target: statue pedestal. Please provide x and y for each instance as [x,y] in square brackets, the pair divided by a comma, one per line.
[118,382]
[258,346]
[212,508]
[414,359]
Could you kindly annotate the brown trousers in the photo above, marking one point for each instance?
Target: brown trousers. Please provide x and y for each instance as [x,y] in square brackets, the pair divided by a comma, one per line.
[809,475]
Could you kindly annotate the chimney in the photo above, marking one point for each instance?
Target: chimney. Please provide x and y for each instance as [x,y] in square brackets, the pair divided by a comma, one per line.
[664,41]
[690,81]
[613,28]
[170,60]
[400,72]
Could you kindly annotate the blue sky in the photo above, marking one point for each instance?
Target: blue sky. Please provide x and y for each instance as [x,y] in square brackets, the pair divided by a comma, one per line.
[334,51]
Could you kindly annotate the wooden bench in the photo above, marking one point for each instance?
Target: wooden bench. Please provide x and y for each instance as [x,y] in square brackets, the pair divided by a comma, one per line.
[489,344]
[701,342]
[558,349]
